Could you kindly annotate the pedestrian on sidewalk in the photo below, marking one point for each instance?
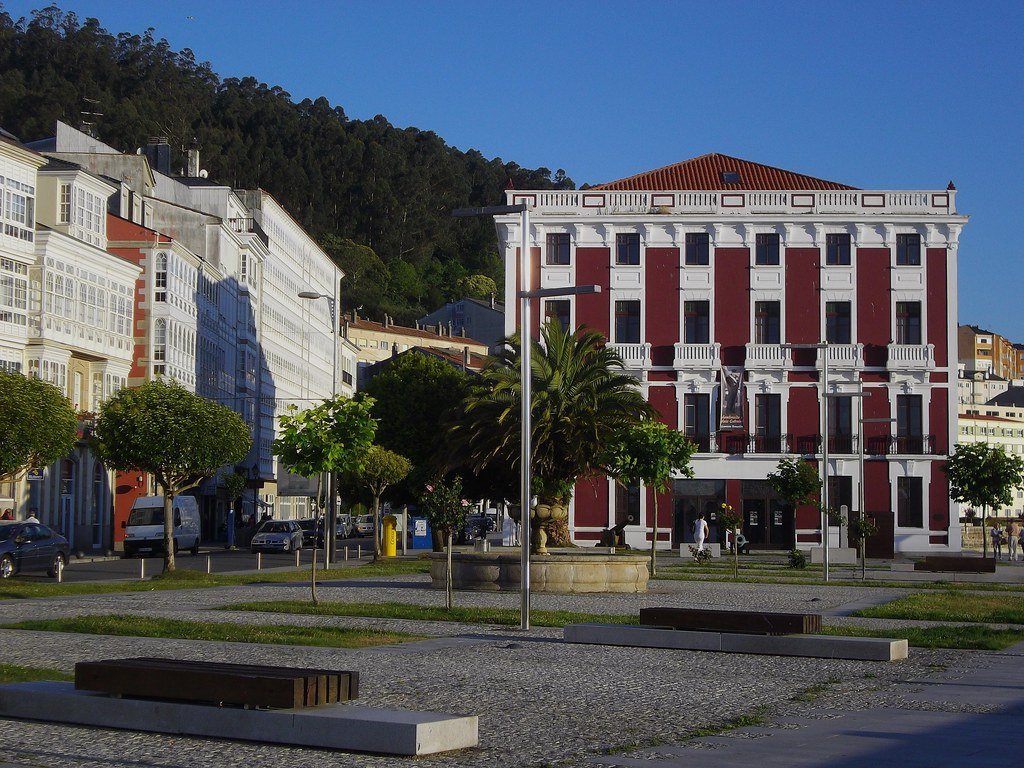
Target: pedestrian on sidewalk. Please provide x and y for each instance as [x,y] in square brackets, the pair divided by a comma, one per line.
[1013,531]
[997,541]
[700,532]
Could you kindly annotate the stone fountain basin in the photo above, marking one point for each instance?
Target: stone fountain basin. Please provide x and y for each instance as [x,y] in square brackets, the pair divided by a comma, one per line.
[556,572]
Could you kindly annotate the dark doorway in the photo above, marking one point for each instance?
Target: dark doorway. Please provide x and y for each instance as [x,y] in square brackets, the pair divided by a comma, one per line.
[691,497]
[767,519]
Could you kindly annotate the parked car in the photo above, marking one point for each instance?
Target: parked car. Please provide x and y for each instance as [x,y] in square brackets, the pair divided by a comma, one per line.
[31,547]
[277,536]
[476,527]
[312,532]
[364,525]
[346,527]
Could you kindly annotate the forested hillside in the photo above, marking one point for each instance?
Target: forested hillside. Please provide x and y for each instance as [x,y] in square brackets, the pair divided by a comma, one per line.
[377,197]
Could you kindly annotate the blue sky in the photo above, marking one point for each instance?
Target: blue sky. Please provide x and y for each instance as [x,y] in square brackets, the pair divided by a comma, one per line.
[885,95]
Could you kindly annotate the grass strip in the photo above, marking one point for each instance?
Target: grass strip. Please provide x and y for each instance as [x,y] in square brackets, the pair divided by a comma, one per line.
[141,626]
[951,605]
[743,578]
[462,615]
[12,673]
[961,636]
[14,589]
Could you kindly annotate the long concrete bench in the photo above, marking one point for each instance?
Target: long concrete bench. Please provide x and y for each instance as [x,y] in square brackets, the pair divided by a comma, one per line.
[956,564]
[332,726]
[813,646]
[249,685]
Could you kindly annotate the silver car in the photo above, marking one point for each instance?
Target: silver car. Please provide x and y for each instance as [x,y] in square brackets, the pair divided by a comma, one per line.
[277,536]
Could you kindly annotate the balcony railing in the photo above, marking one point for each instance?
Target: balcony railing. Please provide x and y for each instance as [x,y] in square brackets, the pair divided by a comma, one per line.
[634,355]
[768,356]
[911,356]
[705,443]
[906,445]
[743,442]
[843,356]
[700,356]
[596,202]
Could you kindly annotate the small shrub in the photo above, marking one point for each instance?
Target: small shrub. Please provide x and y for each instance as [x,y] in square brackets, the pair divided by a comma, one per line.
[797,559]
[701,556]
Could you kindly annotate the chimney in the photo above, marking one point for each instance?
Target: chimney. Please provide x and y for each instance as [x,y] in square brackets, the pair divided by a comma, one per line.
[492,299]
[465,358]
[193,159]
[158,152]
[451,325]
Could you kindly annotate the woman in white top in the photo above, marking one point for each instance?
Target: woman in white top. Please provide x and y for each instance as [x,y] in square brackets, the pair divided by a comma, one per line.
[700,532]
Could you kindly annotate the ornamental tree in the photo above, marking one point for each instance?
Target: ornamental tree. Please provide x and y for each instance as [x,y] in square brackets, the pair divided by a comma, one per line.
[381,470]
[651,453]
[37,423]
[442,504]
[983,475]
[333,437]
[177,436]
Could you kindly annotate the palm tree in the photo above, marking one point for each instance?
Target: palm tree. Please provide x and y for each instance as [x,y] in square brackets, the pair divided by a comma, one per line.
[581,396]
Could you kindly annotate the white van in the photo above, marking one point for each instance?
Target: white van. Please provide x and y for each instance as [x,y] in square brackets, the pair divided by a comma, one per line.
[144,529]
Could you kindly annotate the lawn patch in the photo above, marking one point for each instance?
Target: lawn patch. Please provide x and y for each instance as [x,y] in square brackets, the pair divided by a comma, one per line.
[465,615]
[961,636]
[12,673]
[140,626]
[14,589]
[951,605]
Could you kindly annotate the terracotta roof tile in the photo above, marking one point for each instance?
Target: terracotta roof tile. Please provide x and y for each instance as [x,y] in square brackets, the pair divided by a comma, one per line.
[706,172]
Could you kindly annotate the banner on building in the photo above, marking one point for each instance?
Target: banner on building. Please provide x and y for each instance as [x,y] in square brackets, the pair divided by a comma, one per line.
[731,399]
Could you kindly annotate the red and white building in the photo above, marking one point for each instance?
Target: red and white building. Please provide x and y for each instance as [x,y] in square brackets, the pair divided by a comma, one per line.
[709,270]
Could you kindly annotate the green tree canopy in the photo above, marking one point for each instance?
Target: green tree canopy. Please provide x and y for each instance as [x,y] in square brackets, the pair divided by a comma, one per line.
[37,423]
[177,436]
[381,469]
[983,475]
[796,481]
[649,452]
[331,437]
[414,396]
[581,398]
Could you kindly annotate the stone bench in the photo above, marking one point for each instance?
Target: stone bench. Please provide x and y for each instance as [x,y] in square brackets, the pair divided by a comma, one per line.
[811,646]
[247,685]
[751,622]
[956,564]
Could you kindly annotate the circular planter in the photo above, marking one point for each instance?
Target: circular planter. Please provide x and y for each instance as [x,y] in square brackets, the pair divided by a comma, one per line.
[556,573]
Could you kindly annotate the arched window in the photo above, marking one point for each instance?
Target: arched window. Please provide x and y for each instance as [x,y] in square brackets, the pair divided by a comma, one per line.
[159,347]
[160,278]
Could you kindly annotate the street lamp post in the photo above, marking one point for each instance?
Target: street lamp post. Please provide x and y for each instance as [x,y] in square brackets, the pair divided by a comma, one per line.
[525,382]
[329,516]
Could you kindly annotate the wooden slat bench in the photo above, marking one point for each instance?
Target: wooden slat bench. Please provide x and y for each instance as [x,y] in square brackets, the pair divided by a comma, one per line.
[751,622]
[956,564]
[249,685]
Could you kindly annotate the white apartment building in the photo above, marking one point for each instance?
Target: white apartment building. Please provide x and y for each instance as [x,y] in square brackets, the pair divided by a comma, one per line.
[69,322]
[222,274]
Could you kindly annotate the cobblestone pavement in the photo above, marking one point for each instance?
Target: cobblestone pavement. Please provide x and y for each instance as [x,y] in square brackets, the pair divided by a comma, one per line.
[540,701]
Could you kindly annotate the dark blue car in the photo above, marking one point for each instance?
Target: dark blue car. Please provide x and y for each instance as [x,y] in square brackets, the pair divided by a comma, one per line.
[31,547]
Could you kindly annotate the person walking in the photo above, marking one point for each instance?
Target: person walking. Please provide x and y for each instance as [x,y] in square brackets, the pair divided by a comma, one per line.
[997,541]
[700,532]
[1013,531]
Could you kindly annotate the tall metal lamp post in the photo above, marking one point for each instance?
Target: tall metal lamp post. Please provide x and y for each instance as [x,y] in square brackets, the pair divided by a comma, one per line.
[329,516]
[525,381]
